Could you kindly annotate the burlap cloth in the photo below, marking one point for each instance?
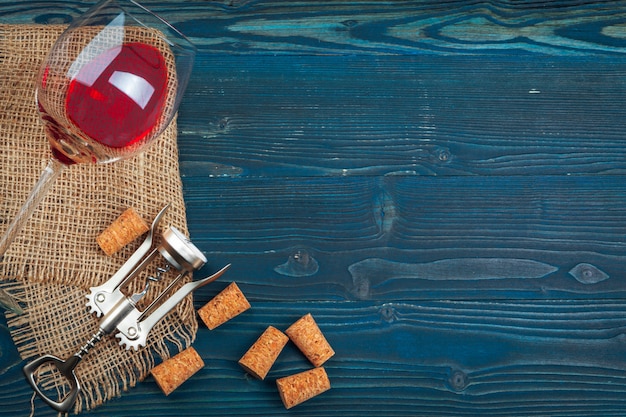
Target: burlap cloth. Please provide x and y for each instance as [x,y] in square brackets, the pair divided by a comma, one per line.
[55,259]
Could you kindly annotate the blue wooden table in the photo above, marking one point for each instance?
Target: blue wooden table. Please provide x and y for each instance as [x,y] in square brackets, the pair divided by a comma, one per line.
[441,184]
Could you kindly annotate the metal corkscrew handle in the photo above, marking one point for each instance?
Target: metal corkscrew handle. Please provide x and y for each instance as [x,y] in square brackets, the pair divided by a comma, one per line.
[109,322]
[66,368]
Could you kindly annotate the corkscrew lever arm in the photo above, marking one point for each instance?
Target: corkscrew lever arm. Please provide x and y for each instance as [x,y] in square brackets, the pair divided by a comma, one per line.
[145,324]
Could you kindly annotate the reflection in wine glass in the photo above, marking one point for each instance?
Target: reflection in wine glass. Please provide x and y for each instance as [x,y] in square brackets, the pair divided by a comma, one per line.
[109,86]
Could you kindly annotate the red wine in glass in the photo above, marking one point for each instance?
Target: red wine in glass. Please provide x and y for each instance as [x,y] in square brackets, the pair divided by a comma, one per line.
[115,100]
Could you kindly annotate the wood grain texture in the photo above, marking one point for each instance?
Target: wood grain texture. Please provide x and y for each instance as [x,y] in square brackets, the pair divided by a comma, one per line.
[413,237]
[355,115]
[433,358]
[407,27]
[441,183]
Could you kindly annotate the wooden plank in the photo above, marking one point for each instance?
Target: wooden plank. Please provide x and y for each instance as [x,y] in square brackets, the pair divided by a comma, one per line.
[405,27]
[354,115]
[559,27]
[440,358]
[413,237]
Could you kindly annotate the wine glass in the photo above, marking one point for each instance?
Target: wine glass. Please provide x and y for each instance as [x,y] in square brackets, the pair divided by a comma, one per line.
[109,86]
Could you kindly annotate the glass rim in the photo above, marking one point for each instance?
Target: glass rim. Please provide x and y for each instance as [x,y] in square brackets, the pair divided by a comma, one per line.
[174,28]
[121,3]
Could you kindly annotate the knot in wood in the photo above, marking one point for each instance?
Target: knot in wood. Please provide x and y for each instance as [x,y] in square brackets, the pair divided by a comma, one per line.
[458,380]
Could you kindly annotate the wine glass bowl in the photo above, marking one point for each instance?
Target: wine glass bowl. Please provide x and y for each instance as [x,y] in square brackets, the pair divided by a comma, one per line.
[112,82]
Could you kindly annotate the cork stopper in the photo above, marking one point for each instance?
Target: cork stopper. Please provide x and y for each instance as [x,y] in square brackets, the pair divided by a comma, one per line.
[224,306]
[171,373]
[298,388]
[308,337]
[126,228]
[258,360]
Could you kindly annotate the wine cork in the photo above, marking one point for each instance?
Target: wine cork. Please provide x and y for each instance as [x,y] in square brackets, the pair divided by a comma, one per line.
[308,337]
[224,306]
[170,374]
[296,389]
[126,228]
[258,360]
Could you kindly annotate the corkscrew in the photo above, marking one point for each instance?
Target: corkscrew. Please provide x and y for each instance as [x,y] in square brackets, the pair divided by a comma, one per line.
[121,312]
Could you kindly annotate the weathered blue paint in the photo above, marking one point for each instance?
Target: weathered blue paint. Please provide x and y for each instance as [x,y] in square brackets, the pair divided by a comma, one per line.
[440,183]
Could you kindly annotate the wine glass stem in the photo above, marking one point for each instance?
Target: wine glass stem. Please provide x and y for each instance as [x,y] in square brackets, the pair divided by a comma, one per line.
[39,191]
